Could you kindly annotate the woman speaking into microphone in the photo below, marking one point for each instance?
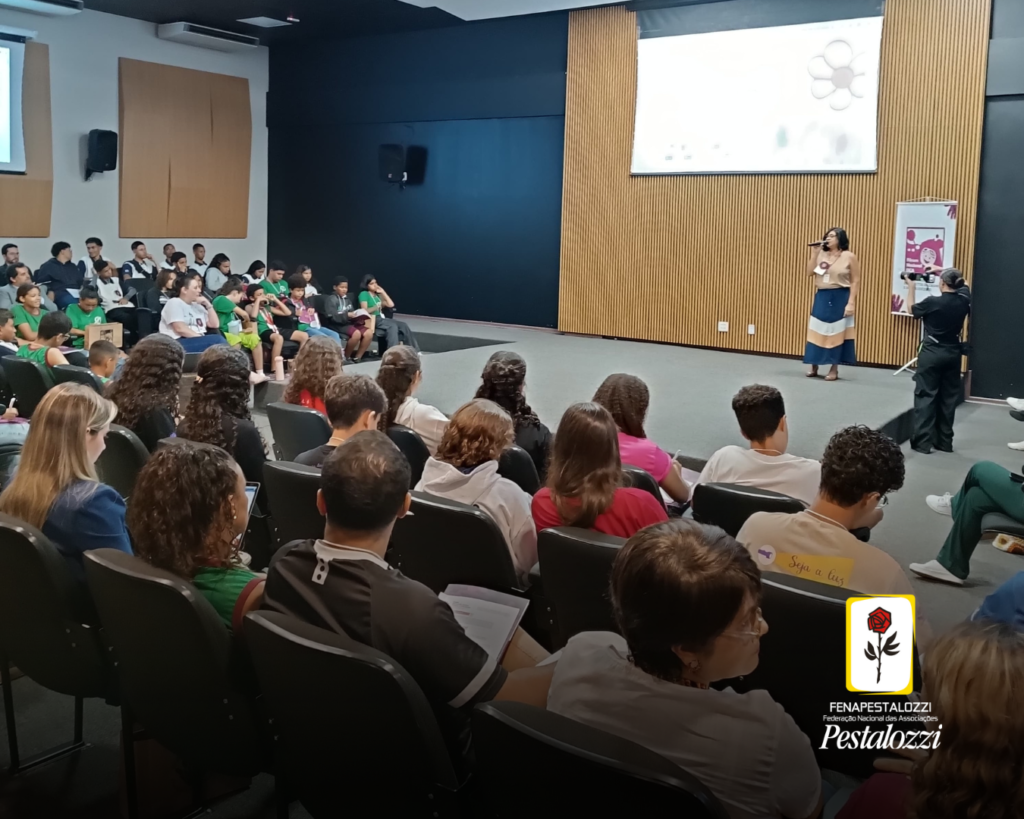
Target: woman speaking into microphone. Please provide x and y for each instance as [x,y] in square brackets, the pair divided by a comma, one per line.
[830,332]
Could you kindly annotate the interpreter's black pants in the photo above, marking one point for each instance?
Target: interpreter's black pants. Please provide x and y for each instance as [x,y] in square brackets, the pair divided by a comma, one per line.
[936,395]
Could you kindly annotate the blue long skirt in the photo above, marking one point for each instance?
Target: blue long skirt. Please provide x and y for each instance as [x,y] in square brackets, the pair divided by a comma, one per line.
[831,336]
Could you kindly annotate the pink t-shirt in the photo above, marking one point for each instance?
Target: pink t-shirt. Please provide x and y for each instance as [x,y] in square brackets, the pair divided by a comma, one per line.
[644,454]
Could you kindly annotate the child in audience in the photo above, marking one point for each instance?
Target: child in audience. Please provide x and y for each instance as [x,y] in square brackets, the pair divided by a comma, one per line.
[312,287]
[218,411]
[200,546]
[400,375]
[28,312]
[274,284]
[55,487]
[973,677]
[115,306]
[103,357]
[504,382]
[343,583]
[761,414]
[53,331]
[86,312]
[466,470]
[160,293]
[305,311]
[584,486]
[340,312]
[317,363]
[8,334]
[218,272]
[687,600]
[226,304]
[354,404]
[263,311]
[187,317]
[374,300]
[626,397]
[146,393]
[257,270]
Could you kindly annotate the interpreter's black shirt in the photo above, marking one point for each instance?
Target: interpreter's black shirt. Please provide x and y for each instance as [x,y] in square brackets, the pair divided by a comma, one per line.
[944,315]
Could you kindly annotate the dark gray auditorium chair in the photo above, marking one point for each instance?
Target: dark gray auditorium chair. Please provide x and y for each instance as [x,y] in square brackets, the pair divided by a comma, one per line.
[548,761]
[996,523]
[291,492]
[638,478]
[122,460]
[413,448]
[297,429]
[516,465]
[728,505]
[28,380]
[72,374]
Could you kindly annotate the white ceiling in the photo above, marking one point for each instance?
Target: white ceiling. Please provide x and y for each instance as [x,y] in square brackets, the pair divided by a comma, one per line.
[486,9]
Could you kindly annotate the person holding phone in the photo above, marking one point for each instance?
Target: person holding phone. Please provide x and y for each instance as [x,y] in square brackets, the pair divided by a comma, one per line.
[830,332]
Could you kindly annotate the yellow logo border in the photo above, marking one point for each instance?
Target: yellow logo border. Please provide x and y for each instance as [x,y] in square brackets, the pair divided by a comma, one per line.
[849,644]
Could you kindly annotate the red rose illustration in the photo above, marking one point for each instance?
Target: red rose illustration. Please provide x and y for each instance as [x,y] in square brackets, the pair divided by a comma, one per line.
[879,622]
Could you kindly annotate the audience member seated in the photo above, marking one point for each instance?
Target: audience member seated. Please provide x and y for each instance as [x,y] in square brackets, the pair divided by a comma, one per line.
[316,364]
[254,275]
[86,312]
[10,255]
[584,486]
[238,326]
[761,414]
[274,284]
[28,312]
[304,311]
[140,265]
[504,383]
[626,397]
[400,375]
[973,677]
[93,253]
[103,358]
[169,254]
[199,255]
[200,546]
[161,292]
[374,301]
[312,285]
[218,410]
[146,392]
[18,274]
[465,470]
[59,274]
[217,273]
[687,599]
[354,404]
[8,333]
[1005,604]
[187,317]
[987,488]
[54,331]
[859,468]
[263,310]
[343,583]
[112,297]
[340,314]
[55,487]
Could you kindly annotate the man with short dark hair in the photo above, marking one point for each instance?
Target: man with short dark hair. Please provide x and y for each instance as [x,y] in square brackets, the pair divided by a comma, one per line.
[761,414]
[199,265]
[9,255]
[274,283]
[140,265]
[342,583]
[354,404]
[93,254]
[169,251]
[17,275]
[59,275]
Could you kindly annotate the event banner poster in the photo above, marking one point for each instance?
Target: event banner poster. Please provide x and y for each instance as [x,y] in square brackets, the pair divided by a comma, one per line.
[925,237]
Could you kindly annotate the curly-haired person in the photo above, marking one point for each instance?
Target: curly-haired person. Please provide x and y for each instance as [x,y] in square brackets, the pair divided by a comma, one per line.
[218,411]
[973,677]
[319,360]
[200,546]
[465,470]
[146,393]
[503,381]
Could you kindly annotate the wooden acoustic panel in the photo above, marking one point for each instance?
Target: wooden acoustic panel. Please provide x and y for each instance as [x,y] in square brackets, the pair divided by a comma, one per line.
[186,143]
[26,200]
[665,258]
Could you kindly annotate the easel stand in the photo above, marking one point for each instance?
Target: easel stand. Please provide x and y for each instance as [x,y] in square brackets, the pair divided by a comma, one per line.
[911,364]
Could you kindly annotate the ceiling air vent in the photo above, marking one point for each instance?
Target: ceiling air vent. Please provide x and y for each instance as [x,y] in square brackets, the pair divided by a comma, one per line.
[206,37]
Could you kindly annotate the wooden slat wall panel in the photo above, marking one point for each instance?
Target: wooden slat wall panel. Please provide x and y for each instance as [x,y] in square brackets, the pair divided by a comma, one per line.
[186,144]
[704,249]
[26,200]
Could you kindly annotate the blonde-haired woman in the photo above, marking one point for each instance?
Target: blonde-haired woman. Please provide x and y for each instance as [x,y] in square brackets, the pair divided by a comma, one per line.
[465,469]
[973,679]
[55,487]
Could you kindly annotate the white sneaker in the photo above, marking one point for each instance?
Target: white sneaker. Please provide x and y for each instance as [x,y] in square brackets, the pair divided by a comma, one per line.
[1016,403]
[1018,446]
[934,570]
[942,504]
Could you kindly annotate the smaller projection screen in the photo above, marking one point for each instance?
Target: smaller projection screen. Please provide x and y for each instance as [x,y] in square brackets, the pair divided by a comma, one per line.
[12,137]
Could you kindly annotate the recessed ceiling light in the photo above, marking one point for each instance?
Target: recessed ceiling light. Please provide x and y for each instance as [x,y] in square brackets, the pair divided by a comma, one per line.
[264,22]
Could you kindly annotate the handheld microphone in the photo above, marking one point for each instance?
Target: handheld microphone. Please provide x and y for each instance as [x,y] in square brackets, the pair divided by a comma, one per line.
[815,244]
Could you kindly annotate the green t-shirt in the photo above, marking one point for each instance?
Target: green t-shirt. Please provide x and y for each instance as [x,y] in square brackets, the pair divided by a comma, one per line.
[225,310]
[80,320]
[371,301]
[280,289]
[262,325]
[23,316]
[224,589]
[39,356]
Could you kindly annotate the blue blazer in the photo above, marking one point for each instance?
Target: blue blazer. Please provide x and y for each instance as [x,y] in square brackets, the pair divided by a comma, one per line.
[86,516]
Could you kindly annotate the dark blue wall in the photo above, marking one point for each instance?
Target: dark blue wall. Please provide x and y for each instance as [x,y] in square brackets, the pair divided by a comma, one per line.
[480,238]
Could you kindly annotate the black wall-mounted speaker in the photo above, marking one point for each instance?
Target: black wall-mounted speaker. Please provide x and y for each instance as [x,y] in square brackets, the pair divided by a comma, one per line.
[391,160]
[102,153]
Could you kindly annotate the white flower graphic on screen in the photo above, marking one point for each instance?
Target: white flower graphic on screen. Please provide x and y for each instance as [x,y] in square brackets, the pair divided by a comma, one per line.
[837,75]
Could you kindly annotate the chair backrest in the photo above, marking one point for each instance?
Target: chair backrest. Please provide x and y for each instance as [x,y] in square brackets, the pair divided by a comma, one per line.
[147,321]
[190,363]
[413,448]
[728,505]
[122,460]
[77,358]
[642,479]
[377,725]
[444,542]
[10,456]
[546,759]
[48,627]
[297,429]
[516,465]
[72,374]
[28,380]
[291,492]
[173,656]
[575,567]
